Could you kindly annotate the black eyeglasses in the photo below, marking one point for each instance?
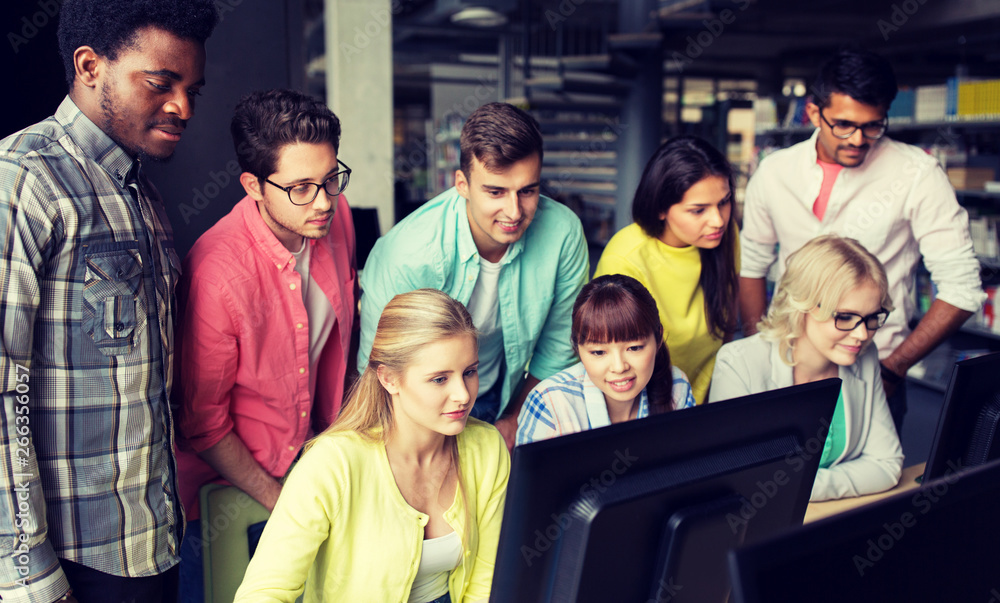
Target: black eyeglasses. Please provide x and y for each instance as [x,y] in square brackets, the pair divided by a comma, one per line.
[872,130]
[848,321]
[305,193]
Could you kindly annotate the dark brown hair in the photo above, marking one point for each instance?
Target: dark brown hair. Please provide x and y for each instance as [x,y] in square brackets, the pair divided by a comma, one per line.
[267,120]
[615,307]
[499,135]
[677,165]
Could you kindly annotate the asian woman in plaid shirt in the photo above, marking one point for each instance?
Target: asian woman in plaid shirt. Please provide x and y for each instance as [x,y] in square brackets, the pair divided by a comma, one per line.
[624,371]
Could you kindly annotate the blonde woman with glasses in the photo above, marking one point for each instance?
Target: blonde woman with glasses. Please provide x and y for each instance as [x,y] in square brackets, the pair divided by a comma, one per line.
[401,499]
[830,301]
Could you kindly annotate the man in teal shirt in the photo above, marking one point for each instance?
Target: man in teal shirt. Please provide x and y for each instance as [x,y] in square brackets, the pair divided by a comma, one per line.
[515,258]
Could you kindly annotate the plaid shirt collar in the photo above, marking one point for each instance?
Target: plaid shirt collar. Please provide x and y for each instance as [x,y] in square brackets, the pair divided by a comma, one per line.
[95,143]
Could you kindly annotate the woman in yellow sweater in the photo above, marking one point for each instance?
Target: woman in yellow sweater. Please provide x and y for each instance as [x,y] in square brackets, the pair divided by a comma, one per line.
[683,247]
[401,499]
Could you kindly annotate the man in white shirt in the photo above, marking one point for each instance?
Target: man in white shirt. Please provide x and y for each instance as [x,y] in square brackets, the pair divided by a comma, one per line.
[849,179]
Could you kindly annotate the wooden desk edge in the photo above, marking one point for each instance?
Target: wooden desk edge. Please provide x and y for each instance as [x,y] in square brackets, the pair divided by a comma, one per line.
[820,510]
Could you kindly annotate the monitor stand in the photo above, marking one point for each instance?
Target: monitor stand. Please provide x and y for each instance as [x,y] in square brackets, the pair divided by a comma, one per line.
[693,551]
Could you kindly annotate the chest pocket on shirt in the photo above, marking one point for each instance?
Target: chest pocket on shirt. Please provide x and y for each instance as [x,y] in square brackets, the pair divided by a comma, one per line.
[113,314]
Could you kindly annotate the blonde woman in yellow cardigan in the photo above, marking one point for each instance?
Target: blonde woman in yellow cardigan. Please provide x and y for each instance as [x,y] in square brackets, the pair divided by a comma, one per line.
[684,248]
[402,498]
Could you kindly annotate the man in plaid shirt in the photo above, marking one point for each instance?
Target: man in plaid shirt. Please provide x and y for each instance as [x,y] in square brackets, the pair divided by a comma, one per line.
[88,488]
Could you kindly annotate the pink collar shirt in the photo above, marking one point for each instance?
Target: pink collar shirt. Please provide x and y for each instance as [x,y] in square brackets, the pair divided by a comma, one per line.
[243,344]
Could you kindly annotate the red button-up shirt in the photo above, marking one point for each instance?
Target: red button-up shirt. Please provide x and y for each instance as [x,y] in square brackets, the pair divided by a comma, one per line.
[243,343]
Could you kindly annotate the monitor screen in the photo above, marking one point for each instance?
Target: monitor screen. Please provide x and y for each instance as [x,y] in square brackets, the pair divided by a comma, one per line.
[647,510]
[937,543]
[968,430]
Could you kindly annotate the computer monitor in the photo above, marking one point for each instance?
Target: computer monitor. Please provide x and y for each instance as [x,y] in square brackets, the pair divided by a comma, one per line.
[647,510]
[968,429]
[937,543]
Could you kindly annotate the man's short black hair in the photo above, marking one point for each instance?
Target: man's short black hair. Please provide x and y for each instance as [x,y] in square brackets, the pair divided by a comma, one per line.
[860,74]
[109,26]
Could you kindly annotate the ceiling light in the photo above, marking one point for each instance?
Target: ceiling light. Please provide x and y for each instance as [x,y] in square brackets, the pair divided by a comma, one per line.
[479,16]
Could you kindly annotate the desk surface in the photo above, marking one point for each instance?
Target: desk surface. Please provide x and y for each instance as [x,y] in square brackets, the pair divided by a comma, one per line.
[819,510]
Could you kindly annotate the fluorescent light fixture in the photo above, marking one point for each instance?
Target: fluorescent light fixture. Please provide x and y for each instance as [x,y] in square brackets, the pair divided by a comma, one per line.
[478,16]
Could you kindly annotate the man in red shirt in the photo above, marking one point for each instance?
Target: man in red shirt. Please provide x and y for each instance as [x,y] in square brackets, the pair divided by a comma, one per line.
[268,302]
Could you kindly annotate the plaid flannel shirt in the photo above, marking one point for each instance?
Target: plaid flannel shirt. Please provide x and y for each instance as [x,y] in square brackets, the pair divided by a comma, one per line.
[87,270]
[569,402]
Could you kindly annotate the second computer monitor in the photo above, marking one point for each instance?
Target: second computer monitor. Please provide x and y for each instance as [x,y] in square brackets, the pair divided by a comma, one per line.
[968,430]
[932,545]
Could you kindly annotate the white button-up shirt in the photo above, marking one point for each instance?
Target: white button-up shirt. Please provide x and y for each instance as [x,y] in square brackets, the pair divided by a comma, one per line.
[898,204]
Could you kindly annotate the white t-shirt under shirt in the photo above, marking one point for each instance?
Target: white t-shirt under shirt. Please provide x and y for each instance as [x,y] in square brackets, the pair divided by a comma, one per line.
[318,309]
[484,306]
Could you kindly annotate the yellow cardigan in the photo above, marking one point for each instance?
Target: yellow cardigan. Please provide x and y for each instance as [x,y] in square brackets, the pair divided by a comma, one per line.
[671,275]
[342,527]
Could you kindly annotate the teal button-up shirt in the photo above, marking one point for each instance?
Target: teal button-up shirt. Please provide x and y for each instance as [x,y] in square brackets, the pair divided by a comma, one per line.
[540,277]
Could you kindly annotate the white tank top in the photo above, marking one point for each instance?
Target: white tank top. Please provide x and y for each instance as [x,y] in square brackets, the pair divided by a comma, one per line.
[437,558]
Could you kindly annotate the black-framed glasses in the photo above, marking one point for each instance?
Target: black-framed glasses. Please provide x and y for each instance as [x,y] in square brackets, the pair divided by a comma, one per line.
[872,130]
[305,192]
[848,321]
